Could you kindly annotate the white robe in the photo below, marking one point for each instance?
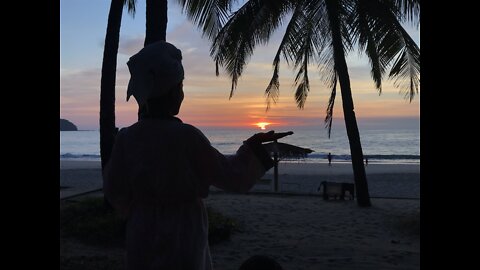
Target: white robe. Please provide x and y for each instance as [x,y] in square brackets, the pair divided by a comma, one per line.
[159,171]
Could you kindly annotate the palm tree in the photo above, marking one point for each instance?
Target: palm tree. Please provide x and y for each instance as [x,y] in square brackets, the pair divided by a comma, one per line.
[156,21]
[109,69]
[321,31]
[156,26]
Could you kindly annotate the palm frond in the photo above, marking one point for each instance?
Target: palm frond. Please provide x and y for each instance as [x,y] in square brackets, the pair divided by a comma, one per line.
[409,10]
[302,82]
[406,70]
[325,57]
[273,88]
[362,31]
[307,42]
[250,25]
[130,6]
[393,45]
[344,11]
[331,103]
[406,67]
[378,69]
[208,15]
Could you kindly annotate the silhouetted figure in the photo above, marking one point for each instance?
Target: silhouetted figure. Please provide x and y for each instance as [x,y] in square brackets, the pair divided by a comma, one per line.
[329,159]
[260,262]
[161,169]
[366,161]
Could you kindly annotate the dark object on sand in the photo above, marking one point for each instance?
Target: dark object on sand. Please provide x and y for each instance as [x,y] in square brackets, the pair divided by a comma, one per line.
[260,262]
[337,190]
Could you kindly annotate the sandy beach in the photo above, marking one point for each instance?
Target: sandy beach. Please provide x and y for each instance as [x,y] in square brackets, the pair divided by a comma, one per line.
[297,227]
[384,180]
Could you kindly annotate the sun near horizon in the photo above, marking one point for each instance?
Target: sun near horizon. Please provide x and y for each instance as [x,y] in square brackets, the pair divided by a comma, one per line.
[262,125]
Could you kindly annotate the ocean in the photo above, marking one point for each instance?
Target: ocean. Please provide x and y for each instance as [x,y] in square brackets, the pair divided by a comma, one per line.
[381,142]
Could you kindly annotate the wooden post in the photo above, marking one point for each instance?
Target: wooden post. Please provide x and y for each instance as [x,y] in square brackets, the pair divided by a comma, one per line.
[275,167]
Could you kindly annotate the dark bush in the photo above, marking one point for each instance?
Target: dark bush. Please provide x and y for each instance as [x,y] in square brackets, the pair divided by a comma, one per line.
[91,222]
[220,227]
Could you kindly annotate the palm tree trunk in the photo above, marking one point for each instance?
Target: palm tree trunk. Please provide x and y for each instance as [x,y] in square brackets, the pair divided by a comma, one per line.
[360,177]
[155,25]
[156,21]
[107,85]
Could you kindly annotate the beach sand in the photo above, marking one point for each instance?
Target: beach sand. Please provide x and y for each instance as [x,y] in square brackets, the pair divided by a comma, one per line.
[297,227]
[303,232]
[384,180]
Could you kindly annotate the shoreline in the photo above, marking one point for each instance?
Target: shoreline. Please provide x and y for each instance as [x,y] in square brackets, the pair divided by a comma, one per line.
[384,180]
[293,167]
[413,161]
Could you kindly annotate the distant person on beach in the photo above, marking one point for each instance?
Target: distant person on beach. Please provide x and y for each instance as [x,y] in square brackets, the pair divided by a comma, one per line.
[161,169]
[329,159]
[366,161]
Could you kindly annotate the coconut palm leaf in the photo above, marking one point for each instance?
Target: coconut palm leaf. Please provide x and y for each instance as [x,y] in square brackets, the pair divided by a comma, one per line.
[251,25]
[130,4]
[273,88]
[409,10]
[406,69]
[331,102]
[362,31]
[303,50]
[375,26]
[397,48]
[208,15]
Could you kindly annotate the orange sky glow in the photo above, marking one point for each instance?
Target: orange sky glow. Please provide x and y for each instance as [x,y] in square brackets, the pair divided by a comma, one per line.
[207,100]
[248,109]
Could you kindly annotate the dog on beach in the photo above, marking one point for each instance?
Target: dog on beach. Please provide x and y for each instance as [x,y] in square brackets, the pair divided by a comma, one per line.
[337,190]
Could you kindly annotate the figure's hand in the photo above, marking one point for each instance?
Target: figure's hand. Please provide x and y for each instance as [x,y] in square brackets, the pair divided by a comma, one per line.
[267,137]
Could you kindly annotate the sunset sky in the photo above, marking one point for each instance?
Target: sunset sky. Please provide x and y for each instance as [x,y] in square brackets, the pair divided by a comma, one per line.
[82,34]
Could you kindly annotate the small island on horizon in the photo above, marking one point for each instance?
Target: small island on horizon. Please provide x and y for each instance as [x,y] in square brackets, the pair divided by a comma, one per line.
[66,125]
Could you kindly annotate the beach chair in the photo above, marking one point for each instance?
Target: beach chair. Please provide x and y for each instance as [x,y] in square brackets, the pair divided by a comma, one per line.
[337,190]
